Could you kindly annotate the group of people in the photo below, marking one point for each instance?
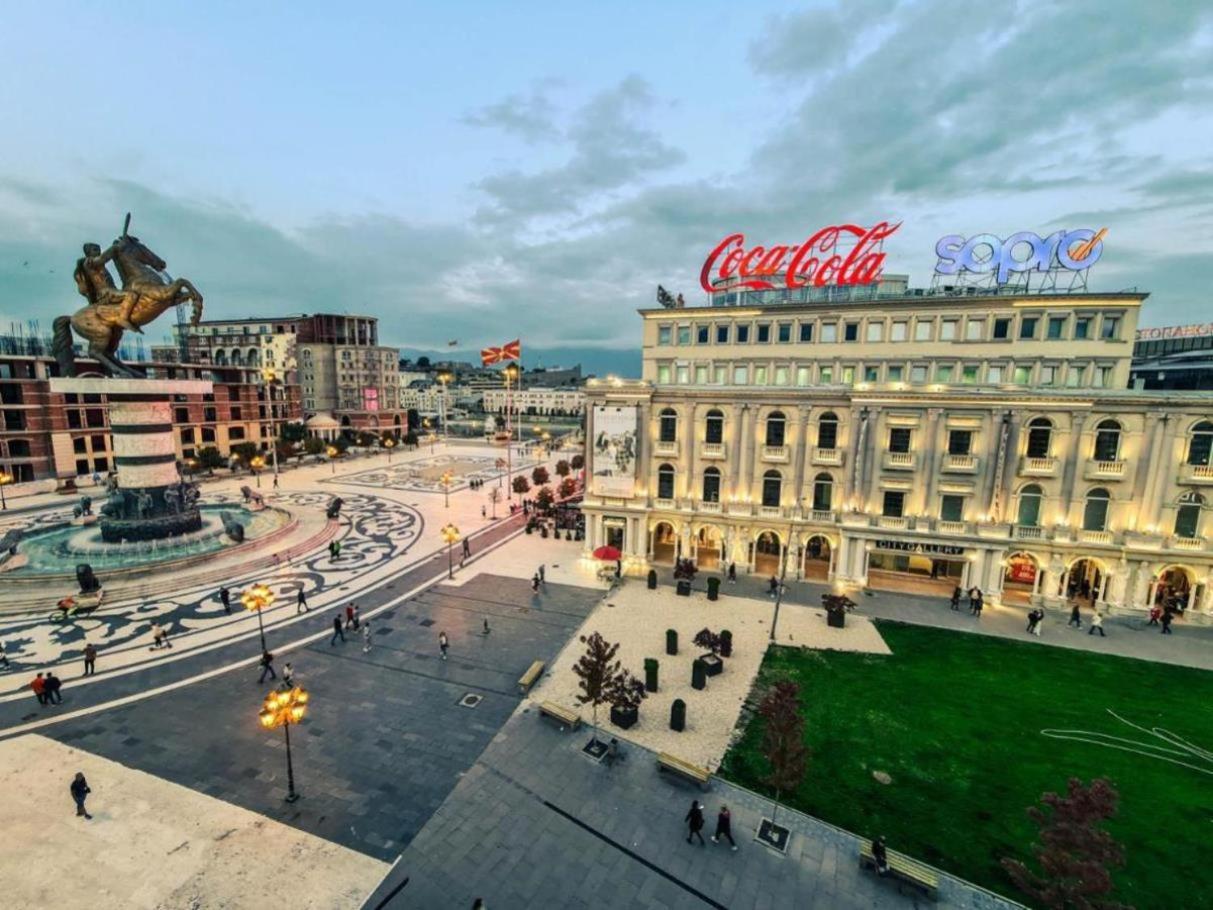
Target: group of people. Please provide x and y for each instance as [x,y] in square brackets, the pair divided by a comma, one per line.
[47,688]
[1076,621]
[724,825]
[539,578]
[1162,616]
[976,600]
[475,483]
[354,623]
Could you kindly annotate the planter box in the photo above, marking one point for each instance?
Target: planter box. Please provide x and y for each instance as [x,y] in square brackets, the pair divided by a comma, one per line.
[624,717]
[712,664]
[773,835]
[836,618]
[684,588]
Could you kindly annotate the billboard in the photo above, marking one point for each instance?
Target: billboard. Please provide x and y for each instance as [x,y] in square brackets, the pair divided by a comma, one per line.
[1074,251]
[613,450]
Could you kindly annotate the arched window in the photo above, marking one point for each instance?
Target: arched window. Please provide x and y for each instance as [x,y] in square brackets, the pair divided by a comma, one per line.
[254,357]
[772,488]
[1095,512]
[669,426]
[237,357]
[827,431]
[220,358]
[1187,516]
[1107,441]
[823,492]
[711,485]
[775,427]
[1040,437]
[715,427]
[1030,498]
[665,482]
[1201,444]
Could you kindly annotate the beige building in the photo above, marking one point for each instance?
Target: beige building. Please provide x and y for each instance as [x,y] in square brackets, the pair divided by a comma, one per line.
[913,442]
[569,402]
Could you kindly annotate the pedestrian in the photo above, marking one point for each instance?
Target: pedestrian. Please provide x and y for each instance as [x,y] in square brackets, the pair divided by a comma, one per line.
[467,549]
[3,657]
[337,631]
[694,822]
[267,666]
[1075,617]
[484,513]
[357,617]
[275,481]
[724,827]
[349,617]
[90,659]
[732,573]
[366,637]
[978,602]
[618,569]
[38,684]
[53,685]
[881,856]
[225,597]
[80,791]
[956,593]
[301,601]
[486,626]
[157,637]
[288,677]
[1032,620]
[1040,621]
[543,578]
[1166,622]
[443,644]
[535,583]
[972,601]
[1096,624]
[772,587]
[1155,615]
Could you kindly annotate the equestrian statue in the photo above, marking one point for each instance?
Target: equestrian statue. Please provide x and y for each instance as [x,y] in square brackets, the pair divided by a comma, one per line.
[146,292]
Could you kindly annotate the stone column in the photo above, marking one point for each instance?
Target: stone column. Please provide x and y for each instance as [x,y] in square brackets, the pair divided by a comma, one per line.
[1148,453]
[1069,478]
[688,453]
[1163,468]
[1007,462]
[800,454]
[875,445]
[930,459]
[739,449]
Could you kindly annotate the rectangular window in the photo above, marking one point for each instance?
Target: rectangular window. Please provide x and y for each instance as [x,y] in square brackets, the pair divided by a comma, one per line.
[683,373]
[1056,328]
[741,375]
[850,331]
[1023,375]
[743,334]
[894,504]
[1002,328]
[781,375]
[80,447]
[947,330]
[1101,378]
[960,442]
[1074,377]
[802,376]
[684,334]
[968,373]
[720,375]
[899,439]
[848,375]
[1082,328]
[1027,327]
[826,374]
[1110,329]
[236,413]
[994,373]
[943,372]
[785,332]
[951,507]
[918,373]
[871,374]
[701,334]
[722,334]
[764,333]
[875,331]
[1048,375]
[975,329]
[760,375]
[922,330]
[829,332]
[663,334]
[806,331]
[895,373]
[663,374]
[701,374]
[899,331]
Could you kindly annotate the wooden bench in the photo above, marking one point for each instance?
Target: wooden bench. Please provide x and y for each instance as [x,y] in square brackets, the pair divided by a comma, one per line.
[903,870]
[667,762]
[561,715]
[530,677]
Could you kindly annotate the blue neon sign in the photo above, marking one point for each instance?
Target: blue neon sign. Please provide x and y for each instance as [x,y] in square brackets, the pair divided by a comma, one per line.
[1025,251]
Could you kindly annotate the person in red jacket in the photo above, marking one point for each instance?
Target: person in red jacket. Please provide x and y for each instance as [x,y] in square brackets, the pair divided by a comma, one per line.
[38,684]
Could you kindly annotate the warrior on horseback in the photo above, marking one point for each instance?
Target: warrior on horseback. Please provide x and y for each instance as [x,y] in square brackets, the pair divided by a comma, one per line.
[97,287]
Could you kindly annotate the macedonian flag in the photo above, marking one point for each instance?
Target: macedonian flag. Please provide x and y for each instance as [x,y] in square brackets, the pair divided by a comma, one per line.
[510,351]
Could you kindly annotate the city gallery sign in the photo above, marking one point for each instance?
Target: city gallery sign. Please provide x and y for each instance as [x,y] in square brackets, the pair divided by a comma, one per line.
[816,262]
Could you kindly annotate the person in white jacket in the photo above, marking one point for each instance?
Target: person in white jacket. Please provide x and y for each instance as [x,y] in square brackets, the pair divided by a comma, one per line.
[1097,624]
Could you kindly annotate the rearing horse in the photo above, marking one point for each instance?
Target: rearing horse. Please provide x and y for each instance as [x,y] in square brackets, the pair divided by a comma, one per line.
[141,271]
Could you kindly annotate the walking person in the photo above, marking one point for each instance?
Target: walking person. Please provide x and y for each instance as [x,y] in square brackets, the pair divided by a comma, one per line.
[366,637]
[3,657]
[535,583]
[484,513]
[301,601]
[724,827]
[357,618]
[1166,622]
[90,659]
[225,597]
[1040,621]
[543,575]
[732,573]
[1155,615]
[881,856]
[349,618]
[486,626]
[1032,620]
[443,644]
[467,549]
[694,822]
[772,587]
[80,791]
[275,481]
[38,685]
[956,593]
[267,666]
[1096,624]
[972,601]
[288,677]
[1075,617]
[53,685]
[337,630]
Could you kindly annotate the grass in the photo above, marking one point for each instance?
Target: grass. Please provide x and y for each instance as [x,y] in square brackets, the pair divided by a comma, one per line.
[955,719]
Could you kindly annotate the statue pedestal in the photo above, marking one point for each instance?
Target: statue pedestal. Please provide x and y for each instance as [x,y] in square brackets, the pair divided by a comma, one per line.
[145,454]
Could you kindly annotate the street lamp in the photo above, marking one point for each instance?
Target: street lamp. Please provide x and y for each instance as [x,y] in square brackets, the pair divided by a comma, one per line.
[389,444]
[191,466]
[332,452]
[281,709]
[5,479]
[425,422]
[256,463]
[447,479]
[270,376]
[450,534]
[444,378]
[257,598]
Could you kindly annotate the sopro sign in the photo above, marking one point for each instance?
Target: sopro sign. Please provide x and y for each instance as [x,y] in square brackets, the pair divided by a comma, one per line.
[818,261]
[1025,251]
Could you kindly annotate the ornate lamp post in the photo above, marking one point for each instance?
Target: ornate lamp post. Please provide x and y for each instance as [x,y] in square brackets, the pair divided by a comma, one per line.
[281,709]
[256,463]
[450,535]
[389,444]
[445,379]
[447,479]
[332,452]
[425,422]
[5,479]
[257,598]
[270,376]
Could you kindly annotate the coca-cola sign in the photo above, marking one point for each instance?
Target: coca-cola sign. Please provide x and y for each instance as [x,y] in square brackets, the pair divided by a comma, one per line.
[816,262]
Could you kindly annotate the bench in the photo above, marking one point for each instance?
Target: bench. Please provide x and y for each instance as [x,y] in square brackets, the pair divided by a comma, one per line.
[667,762]
[530,677]
[561,715]
[903,869]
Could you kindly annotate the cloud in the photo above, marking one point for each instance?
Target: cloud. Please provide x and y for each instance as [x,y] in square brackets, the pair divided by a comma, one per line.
[530,117]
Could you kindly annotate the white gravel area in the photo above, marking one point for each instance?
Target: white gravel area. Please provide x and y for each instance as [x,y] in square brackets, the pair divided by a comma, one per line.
[521,557]
[637,618]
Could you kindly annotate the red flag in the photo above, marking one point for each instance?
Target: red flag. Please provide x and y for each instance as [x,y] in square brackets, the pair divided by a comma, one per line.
[512,350]
[489,356]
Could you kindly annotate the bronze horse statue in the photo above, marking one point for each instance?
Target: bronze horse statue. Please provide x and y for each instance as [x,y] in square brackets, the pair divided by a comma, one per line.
[142,273]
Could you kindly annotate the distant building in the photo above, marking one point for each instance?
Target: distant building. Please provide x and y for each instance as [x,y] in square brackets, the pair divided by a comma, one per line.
[553,377]
[566,402]
[1178,357]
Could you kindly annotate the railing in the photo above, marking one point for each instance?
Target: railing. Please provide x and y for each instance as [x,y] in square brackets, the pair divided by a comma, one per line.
[1105,470]
[712,450]
[770,511]
[965,463]
[1104,537]
[822,515]
[663,503]
[902,461]
[774,453]
[665,448]
[1196,473]
[952,527]
[709,507]
[1029,532]
[827,456]
[1039,466]
[1187,543]
[893,523]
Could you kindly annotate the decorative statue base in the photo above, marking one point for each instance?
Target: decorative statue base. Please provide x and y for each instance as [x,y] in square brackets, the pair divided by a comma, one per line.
[150,513]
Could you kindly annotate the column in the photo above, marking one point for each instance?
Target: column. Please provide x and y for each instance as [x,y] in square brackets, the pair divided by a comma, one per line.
[853,483]
[741,414]
[1162,463]
[644,452]
[929,459]
[800,454]
[1009,463]
[687,468]
[1070,467]
[874,445]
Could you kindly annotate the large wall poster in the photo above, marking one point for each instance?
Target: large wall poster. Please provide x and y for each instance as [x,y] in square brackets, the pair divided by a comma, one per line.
[613,450]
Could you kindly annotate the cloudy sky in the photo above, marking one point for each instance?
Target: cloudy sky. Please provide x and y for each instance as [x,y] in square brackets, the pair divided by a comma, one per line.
[479,171]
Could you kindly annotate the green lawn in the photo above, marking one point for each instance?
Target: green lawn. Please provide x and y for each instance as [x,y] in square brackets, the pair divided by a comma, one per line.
[956,719]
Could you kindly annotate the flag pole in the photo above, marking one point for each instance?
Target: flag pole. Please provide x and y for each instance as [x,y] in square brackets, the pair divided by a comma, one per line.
[509,461]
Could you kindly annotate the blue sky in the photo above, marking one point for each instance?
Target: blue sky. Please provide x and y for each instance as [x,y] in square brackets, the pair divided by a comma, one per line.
[479,171]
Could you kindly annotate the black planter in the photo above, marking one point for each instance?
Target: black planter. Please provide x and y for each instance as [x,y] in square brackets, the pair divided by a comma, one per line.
[713,588]
[773,835]
[671,641]
[684,588]
[726,643]
[678,715]
[836,618]
[652,579]
[699,674]
[712,665]
[623,718]
[650,674]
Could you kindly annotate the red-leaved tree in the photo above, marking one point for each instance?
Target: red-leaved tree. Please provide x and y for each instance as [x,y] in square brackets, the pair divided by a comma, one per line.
[596,671]
[1075,854]
[783,738]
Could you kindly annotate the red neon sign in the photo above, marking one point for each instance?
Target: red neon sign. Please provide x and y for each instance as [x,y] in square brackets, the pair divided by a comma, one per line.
[815,262]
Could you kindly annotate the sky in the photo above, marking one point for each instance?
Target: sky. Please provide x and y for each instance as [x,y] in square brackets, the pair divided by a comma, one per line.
[477,172]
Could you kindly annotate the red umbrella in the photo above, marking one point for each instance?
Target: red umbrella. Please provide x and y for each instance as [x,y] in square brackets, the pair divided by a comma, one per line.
[607,554]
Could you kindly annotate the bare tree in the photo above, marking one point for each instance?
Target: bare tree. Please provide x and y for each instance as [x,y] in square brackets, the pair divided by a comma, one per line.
[597,671]
[494,498]
[783,738]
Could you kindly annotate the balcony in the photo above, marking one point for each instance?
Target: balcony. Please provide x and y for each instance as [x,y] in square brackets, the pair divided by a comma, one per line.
[775,453]
[712,450]
[1029,532]
[1104,470]
[893,523]
[770,511]
[960,464]
[824,516]
[1038,467]
[1187,543]
[665,448]
[1196,473]
[1099,537]
[952,527]
[664,504]
[899,461]
[709,507]
[828,457]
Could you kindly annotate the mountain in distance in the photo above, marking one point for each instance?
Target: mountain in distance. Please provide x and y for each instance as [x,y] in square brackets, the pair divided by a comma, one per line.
[621,362]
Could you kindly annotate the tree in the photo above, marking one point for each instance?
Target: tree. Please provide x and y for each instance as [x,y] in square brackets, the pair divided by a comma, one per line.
[578,462]
[293,432]
[568,487]
[423,363]
[706,638]
[1075,854]
[210,458]
[313,445]
[341,444]
[783,738]
[520,484]
[544,498]
[499,421]
[562,468]
[246,450]
[494,498]
[626,692]
[596,671]
[365,439]
[410,439]
[540,475]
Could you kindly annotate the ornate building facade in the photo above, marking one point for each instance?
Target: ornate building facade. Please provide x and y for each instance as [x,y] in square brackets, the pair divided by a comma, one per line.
[911,443]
